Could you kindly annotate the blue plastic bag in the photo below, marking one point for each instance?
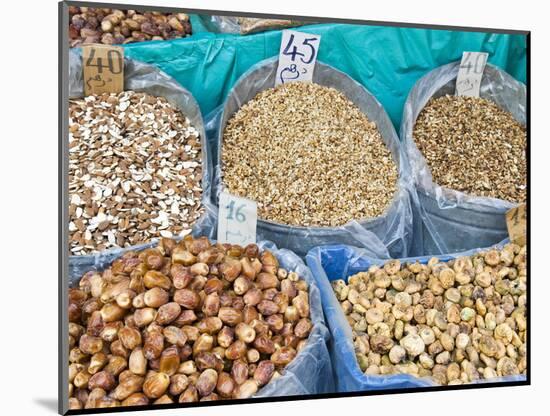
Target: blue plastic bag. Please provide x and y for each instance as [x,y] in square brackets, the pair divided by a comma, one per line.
[335,262]
[311,371]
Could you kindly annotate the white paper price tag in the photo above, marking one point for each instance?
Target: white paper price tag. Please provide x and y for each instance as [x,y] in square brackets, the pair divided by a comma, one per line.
[470,73]
[297,57]
[237,219]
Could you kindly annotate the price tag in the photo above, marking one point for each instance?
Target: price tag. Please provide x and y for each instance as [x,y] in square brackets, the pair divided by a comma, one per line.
[470,73]
[516,220]
[237,219]
[103,69]
[297,57]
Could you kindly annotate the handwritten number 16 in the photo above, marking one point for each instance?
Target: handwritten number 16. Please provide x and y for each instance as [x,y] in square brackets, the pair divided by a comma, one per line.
[295,52]
[239,216]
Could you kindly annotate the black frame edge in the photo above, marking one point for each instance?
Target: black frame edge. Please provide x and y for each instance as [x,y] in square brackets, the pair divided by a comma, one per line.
[63,215]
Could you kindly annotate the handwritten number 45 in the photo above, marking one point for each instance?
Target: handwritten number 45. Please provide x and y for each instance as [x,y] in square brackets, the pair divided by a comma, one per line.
[294,52]
[237,213]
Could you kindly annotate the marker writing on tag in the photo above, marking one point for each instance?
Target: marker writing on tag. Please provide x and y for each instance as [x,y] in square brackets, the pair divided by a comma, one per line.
[470,72]
[297,56]
[516,221]
[290,73]
[237,218]
[102,69]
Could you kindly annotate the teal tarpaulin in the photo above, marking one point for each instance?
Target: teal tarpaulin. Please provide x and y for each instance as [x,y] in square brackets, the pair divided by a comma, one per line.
[386,60]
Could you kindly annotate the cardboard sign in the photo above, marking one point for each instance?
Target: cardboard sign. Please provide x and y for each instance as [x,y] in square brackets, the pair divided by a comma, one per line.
[516,221]
[237,218]
[103,69]
[297,57]
[470,73]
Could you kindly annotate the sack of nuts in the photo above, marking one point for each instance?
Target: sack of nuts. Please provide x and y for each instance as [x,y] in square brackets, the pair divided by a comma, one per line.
[190,321]
[114,26]
[248,25]
[415,322]
[467,156]
[133,179]
[322,160]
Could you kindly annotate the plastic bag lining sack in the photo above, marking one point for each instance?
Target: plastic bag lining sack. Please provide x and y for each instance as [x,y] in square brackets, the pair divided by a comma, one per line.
[311,371]
[388,235]
[147,78]
[334,262]
[246,25]
[477,213]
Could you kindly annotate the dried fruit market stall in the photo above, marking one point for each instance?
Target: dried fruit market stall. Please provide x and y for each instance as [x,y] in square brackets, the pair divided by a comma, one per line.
[346,256]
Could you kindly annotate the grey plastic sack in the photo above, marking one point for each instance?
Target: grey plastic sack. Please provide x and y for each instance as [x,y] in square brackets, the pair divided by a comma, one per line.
[388,235]
[246,25]
[142,77]
[334,262]
[310,372]
[450,220]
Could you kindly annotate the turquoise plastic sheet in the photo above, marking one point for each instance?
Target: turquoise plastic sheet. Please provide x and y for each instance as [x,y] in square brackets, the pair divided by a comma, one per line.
[386,60]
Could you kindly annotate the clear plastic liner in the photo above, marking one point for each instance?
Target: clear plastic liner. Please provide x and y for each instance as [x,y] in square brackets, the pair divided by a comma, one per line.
[142,77]
[388,235]
[335,262]
[247,25]
[453,220]
[311,371]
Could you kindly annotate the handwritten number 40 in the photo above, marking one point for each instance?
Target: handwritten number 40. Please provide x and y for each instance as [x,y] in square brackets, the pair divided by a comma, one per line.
[477,67]
[294,52]
[111,55]
[238,214]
